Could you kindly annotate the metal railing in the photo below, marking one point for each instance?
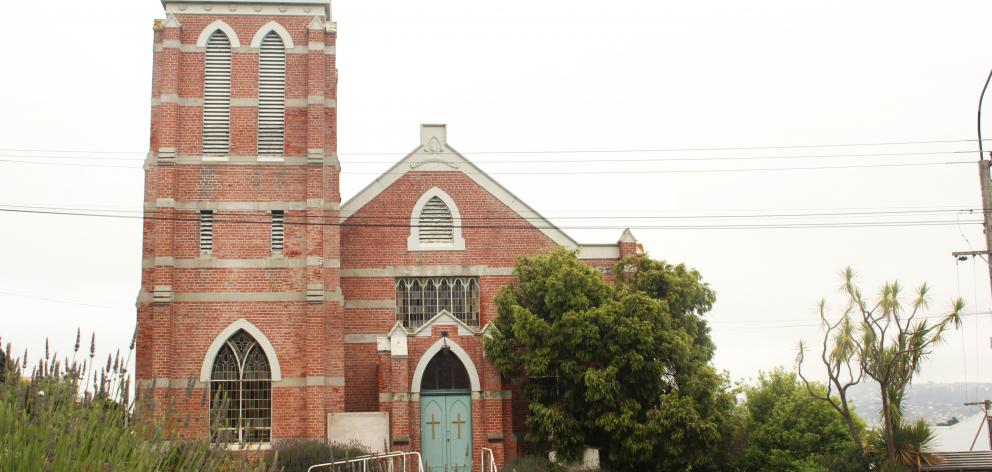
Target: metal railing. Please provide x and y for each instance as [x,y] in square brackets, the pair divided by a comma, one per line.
[389,462]
[490,465]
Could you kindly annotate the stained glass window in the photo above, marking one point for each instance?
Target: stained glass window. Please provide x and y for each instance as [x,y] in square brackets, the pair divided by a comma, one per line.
[241,393]
[418,299]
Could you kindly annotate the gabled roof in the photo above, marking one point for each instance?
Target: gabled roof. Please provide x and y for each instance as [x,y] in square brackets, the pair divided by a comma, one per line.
[971,461]
[434,154]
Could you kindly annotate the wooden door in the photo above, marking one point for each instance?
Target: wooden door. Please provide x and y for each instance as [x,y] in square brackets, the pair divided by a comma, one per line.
[446,432]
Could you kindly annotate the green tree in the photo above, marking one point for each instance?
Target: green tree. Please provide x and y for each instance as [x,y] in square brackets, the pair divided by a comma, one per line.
[623,367]
[883,340]
[787,432]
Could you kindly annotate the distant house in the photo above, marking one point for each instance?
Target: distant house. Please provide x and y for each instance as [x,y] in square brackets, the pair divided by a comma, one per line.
[971,461]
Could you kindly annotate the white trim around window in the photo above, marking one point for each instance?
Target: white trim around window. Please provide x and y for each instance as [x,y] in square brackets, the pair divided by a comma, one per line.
[414,243]
[220,339]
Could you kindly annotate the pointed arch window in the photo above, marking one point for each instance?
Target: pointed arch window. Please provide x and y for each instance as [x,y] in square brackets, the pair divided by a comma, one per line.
[445,373]
[271,96]
[217,95]
[435,224]
[241,393]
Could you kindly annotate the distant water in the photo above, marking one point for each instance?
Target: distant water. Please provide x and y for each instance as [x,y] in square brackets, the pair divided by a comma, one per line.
[959,436]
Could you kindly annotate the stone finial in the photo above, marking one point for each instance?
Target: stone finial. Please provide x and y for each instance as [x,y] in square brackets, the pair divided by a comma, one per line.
[628,244]
[172,22]
[434,138]
[627,237]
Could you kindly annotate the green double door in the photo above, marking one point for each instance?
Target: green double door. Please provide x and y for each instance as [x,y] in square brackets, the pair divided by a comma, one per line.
[446,432]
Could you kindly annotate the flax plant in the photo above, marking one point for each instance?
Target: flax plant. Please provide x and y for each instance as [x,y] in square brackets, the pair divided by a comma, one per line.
[80,415]
[883,340]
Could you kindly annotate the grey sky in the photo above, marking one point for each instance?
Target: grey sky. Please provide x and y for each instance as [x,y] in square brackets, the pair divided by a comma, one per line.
[557,75]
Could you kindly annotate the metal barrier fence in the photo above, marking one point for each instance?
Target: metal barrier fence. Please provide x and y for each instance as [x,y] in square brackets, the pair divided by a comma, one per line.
[490,465]
[388,462]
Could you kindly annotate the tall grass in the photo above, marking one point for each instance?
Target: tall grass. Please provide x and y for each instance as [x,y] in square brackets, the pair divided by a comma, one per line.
[74,414]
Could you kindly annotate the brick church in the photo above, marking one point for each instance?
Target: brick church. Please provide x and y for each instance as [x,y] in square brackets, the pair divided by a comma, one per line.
[297,315]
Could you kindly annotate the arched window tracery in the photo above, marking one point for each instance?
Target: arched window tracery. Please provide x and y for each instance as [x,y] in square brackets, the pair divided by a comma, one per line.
[241,393]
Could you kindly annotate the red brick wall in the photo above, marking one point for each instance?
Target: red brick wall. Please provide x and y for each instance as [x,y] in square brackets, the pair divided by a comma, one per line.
[309,338]
[173,337]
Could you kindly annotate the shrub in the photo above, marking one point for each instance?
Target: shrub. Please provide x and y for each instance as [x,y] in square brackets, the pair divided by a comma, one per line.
[529,464]
[296,455]
[79,416]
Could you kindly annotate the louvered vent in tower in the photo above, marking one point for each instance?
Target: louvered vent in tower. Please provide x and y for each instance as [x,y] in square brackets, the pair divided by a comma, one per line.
[271,96]
[278,230]
[206,230]
[435,222]
[217,95]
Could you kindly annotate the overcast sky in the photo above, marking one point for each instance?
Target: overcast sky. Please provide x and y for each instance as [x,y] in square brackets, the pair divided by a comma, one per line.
[561,76]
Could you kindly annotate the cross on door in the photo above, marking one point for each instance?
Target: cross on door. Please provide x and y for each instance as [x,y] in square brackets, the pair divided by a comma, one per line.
[459,422]
[433,422]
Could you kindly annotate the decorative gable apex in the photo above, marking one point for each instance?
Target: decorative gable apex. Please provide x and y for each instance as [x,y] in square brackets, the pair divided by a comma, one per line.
[444,318]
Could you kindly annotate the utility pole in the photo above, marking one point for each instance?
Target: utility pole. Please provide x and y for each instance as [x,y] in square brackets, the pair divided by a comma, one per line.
[986,421]
[985,181]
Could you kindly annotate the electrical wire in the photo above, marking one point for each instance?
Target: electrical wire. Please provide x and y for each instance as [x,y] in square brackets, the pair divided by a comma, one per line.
[63,301]
[582,151]
[916,223]
[558,161]
[404,217]
[592,172]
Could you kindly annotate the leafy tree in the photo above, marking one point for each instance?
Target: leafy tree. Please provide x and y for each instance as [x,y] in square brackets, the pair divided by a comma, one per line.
[623,367]
[882,340]
[787,432]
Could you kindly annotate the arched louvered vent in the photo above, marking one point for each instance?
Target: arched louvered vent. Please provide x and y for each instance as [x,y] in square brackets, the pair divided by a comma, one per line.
[435,223]
[217,96]
[271,95]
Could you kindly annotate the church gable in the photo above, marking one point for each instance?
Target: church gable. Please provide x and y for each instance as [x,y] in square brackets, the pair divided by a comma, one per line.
[432,170]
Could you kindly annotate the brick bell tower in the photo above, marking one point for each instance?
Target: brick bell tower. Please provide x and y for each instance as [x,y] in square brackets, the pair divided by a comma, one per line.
[240,289]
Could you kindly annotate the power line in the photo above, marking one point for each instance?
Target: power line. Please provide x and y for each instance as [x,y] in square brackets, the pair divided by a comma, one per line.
[694,149]
[582,151]
[593,172]
[916,223]
[405,217]
[695,159]
[759,324]
[697,171]
[57,300]
[19,158]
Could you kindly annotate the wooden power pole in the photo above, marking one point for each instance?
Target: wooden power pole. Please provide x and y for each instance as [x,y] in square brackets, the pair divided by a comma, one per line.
[985,180]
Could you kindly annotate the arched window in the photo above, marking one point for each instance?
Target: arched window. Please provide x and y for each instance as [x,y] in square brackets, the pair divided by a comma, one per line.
[217,95]
[271,95]
[241,393]
[445,373]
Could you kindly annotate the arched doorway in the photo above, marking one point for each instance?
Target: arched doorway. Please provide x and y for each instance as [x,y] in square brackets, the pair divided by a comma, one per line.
[446,414]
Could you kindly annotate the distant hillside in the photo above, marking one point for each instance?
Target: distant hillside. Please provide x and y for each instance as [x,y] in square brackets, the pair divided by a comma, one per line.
[934,402]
